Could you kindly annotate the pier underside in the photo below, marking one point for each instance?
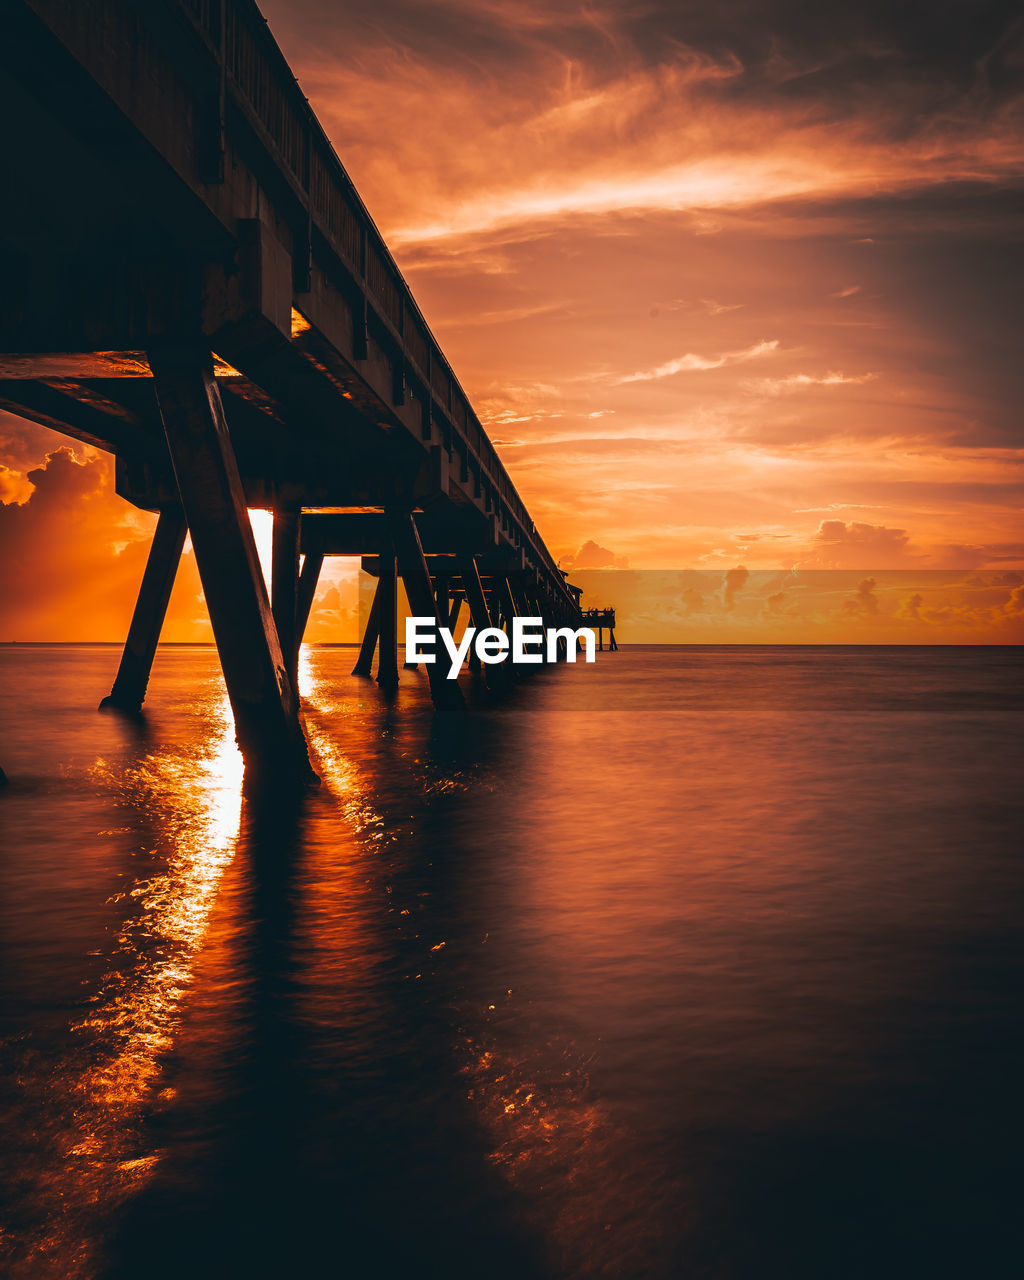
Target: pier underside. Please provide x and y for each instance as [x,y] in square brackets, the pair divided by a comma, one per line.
[192,284]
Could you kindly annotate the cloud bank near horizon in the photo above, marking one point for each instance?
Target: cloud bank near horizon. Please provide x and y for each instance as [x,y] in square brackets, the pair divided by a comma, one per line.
[730,285]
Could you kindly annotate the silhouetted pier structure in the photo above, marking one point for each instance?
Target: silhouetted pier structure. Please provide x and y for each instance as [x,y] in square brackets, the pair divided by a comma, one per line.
[192,283]
[601,620]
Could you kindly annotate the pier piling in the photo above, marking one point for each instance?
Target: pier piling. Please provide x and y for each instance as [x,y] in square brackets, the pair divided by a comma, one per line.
[130,684]
[262,697]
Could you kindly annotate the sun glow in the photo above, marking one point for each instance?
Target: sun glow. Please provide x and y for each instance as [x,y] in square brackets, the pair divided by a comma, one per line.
[113,1076]
[263,531]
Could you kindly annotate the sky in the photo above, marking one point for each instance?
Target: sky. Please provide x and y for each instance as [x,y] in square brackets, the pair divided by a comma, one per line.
[733,287]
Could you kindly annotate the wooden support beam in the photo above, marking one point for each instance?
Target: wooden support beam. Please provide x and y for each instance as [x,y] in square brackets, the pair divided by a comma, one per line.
[536,610]
[413,567]
[478,612]
[346,533]
[517,591]
[284,585]
[490,564]
[414,666]
[453,614]
[506,603]
[75,410]
[387,621]
[129,691]
[364,663]
[476,600]
[308,579]
[523,607]
[262,697]
[505,608]
[443,597]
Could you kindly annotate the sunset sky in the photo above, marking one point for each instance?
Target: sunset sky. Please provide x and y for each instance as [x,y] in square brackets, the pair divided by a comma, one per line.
[732,286]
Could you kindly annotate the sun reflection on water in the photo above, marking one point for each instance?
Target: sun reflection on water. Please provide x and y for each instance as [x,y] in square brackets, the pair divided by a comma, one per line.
[192,807]
[137,1007]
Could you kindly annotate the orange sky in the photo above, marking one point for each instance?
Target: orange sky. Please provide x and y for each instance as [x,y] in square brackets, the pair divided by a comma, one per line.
[731,285]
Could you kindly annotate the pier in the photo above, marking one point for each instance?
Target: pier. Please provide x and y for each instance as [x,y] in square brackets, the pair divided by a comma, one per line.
[601,620]
[192,284]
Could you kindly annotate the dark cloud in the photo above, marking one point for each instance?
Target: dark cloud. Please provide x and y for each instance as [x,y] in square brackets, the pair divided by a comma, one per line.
[592,556]
[692,601]
[838,545]
[927,59]
[969,556]
[23,443]
[775,604]
[864,604]
[733,581]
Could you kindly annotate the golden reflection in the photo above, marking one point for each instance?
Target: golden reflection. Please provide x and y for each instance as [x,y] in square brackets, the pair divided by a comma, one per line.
[200,806]
[137,1008]
[339,771]
[309,682]
[342,777]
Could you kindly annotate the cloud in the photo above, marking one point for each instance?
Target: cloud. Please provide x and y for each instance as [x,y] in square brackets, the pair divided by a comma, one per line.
[615,179]
[848,292]
[796,169]
[775,604]
[73,556]
[822,606]
[719,308]
[1014,606]
[692,601]
[691,363]
[959,555]
[733,581]
[14,487]
[592,556]
[799,381]
[979,605]
[839,545]
[593,171]
[865,603]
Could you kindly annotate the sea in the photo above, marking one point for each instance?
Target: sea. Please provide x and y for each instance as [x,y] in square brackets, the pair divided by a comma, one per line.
[699,962]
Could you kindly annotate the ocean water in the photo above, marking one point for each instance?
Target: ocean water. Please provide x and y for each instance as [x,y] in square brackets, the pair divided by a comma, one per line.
[702,962]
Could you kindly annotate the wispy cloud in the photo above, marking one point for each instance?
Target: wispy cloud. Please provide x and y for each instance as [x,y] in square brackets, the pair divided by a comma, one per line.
[692,363]
[725,183]
[719,308]
[799,381]
[603,207]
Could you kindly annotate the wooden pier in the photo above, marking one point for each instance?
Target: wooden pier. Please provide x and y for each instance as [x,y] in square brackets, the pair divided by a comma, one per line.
[601,620]
[192,283]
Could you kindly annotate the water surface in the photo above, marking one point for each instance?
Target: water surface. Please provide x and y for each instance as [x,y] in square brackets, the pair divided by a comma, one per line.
[703,962]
